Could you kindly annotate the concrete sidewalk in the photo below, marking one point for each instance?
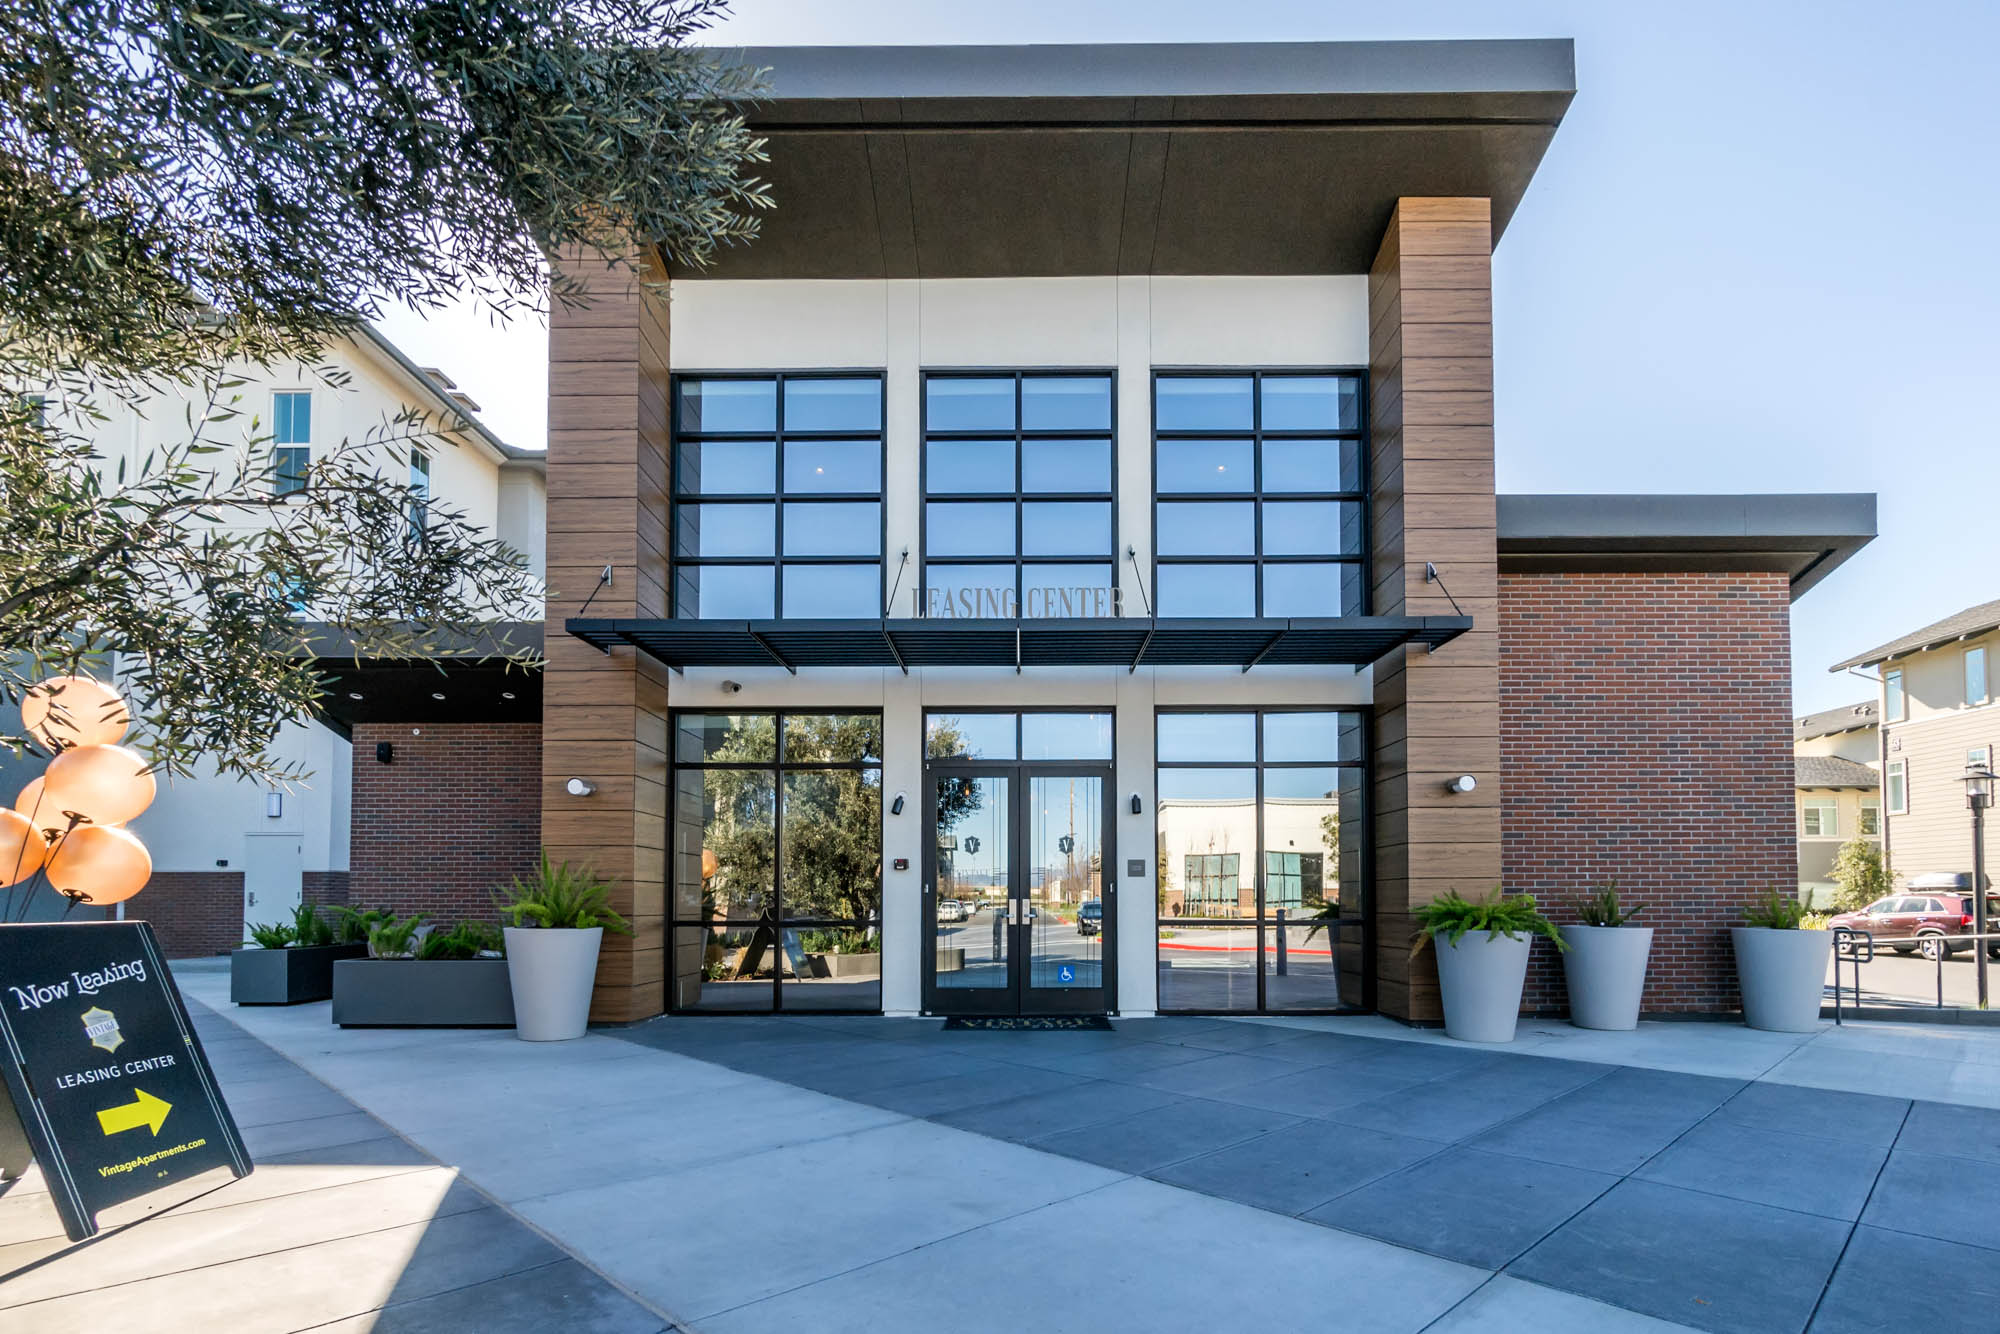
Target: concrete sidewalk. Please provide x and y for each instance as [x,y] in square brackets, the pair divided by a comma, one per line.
[867,1174]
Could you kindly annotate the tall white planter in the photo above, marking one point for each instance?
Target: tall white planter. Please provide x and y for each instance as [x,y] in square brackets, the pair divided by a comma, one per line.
[551,971]
[1481,979]
[1606,970]
[1783,976]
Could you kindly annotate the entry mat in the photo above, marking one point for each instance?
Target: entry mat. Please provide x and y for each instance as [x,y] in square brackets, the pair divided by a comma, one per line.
[1074,1021]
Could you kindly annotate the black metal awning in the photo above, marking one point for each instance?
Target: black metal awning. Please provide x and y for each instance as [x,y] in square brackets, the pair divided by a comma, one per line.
[1128,642]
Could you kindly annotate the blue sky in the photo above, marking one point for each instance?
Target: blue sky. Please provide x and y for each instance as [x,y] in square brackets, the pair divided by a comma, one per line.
[1760,256]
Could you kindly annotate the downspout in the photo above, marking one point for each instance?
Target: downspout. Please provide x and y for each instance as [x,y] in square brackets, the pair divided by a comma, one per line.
[1882,767]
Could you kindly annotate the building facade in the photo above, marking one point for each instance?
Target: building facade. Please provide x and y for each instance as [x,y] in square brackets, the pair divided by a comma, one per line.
[1837,769]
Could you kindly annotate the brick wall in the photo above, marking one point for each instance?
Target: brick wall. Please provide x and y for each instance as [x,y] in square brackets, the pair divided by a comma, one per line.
[326,888]
[194,913]
[1646,735]
[458,811]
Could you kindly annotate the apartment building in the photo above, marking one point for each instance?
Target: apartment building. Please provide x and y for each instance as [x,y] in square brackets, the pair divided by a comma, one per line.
[1837,770]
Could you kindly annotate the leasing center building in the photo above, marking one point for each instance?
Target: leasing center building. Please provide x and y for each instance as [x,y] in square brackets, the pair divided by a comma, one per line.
[1056,568]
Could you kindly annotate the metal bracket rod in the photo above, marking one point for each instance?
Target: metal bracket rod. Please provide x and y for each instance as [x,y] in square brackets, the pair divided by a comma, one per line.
[1262,651]
[776,656]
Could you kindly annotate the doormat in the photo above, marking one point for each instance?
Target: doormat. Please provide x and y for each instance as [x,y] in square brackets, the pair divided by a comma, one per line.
[1078,1021]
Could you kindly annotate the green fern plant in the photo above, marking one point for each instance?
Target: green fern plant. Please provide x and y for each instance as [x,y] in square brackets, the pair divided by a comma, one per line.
[309,929]
[272,935]
[1777,910]
[467,940]
[395,937]
[352,925]
[560,896]
[1604,909]
[1452,915]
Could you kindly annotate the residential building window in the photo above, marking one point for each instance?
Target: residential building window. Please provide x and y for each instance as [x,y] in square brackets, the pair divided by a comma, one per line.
[37,408]
[291,439]
[778,496]
[1892,696]
[1282,792]
[1979,757]
[420,494]
[776,861]
[1895,787]
[1260,494]
[1975,676]
[1017,483]
[1819,817]
[1871,817]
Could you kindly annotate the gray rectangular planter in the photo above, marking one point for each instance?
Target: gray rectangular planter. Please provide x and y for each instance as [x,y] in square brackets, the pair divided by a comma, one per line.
[417,993]
[286,977]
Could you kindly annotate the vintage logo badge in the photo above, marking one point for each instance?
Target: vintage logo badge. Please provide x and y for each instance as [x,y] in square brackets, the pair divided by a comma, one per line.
[101,1027]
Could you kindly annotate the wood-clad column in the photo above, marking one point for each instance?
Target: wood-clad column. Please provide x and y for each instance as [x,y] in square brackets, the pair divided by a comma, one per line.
[1437,715]
[604,717]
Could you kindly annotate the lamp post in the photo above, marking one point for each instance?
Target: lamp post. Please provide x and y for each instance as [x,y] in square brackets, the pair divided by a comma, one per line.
[1978,796]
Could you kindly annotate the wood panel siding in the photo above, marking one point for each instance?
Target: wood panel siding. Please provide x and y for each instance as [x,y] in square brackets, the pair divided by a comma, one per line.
[1431,455]
[604,716]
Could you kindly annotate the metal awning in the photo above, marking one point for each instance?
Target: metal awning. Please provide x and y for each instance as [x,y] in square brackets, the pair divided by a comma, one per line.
[1128,642]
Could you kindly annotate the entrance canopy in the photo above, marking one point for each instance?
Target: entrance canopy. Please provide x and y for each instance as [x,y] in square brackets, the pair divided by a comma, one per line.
[1129,642]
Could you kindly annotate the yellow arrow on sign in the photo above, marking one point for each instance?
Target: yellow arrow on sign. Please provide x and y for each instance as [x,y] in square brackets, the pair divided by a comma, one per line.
[143,1110]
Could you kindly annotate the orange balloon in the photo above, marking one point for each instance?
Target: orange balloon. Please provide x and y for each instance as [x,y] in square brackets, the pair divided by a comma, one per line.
[22,848]
[98,864]
[103,784]
[29,803]
[66,711]
[710,864]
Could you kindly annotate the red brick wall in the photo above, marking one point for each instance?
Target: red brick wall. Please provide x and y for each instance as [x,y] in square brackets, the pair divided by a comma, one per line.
[326,888]
[1645,735]
[194,913]
[457,811]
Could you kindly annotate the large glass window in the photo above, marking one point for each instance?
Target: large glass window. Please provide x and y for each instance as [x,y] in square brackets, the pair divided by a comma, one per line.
[1975,676]
[778,496]
[1262,900]
[777,861]
[1892,696]
[1018,516]
[1819,817]
[1260,495]
[291,439]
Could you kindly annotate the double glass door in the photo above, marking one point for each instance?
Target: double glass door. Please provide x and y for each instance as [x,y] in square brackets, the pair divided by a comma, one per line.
[1017,903]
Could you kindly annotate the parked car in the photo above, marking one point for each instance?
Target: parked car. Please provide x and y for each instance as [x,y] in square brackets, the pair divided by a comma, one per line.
[1090,918]
[1933,922]
[950,910]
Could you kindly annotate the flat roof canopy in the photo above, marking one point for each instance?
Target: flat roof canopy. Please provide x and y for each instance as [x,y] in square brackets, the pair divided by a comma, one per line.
[1224,158]
[494,676]
[1130,642]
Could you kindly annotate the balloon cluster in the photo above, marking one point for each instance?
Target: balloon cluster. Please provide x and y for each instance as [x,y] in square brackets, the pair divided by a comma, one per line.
[68,825]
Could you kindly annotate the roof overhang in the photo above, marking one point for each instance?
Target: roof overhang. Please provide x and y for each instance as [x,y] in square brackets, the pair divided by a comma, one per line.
[1805,537]
[1129,642]
[492,676]
[1213,158]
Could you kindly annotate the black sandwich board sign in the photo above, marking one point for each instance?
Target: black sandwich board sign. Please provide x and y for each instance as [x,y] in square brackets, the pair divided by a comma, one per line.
[113,1094]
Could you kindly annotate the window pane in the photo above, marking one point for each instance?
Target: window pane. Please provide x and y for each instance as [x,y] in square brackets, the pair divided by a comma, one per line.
[1207,736]
[291,418]
[1312,465]
[952,404]
[1066,403]
[1065,736]
[1313,589]
[979,736]
[1066,465]
[1312,865]
[289,466]
[725,592]
[1207,528]
[1312,736]
[1207,843]
[832,846]
[1077,528]
[1208,590]
[833,405]
[969,465]
[960,591]
[733,738]
[833,465]
[724,530]
[970,528]
[819,738]
[1063,591]
[729,405]
[714,971]
[1311,403]
[833,592]
[1975,675]
[725,467]
[834,528]
[1205,465]
[1205,966]
[1311,528]
[1202,403]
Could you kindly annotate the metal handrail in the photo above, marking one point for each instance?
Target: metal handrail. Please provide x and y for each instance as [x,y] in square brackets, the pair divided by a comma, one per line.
[1860,941]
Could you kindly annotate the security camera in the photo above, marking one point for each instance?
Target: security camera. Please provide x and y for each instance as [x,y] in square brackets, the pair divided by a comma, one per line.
[731,687]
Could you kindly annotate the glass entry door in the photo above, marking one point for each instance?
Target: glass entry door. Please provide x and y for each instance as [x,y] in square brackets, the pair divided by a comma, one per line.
[1015,900]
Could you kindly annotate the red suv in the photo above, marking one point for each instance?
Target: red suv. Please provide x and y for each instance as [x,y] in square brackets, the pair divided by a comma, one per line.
[1909,922]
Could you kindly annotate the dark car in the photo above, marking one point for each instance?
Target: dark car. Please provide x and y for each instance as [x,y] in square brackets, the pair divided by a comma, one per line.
[1931,922]
[1090,918]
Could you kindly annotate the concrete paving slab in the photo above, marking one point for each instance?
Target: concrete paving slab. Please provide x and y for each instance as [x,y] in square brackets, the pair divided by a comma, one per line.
[1872,1290]
[1930,1195]
[1080,1102]
[1298,1168]
[558,1296]
[1317,1090]
[1156,1138]
[1971,1132]
[1509,1306]
[1858,1118]
[1775,1167]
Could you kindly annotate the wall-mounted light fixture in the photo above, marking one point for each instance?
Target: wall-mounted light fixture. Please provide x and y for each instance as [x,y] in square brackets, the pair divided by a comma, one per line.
[731,687]
[274,805]
[1135,803]
[896,806]
[579,787]
[1462,784]
[385,752]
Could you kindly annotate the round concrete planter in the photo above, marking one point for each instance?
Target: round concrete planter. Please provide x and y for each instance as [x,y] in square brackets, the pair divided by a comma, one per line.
[1481,978]
[551,971]
[1606,970]
[1783,976]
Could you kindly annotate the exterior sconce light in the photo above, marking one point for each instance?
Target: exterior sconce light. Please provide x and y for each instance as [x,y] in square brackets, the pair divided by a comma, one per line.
[732,687]
[580,787]
[1135,803]
[1462,784]
[896,806]
[385,752]
[274,805]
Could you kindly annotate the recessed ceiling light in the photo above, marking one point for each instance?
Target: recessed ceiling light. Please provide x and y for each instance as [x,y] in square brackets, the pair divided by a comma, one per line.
[506,694]
[437,694]
[354,694]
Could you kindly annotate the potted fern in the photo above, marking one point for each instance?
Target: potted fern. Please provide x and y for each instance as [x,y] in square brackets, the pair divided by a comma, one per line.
[417,975]
[557,918]
[291,963]
[1605,964]
[1482,954]
[1781,964]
